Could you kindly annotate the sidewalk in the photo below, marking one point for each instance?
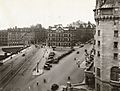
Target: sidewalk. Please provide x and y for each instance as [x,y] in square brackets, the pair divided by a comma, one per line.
[78,86]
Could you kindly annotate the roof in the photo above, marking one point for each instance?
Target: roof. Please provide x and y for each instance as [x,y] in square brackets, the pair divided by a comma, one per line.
[107,6]
[110,1]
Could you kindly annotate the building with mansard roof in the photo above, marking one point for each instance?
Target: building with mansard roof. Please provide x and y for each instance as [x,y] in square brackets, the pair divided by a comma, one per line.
[60,36]
[107,37]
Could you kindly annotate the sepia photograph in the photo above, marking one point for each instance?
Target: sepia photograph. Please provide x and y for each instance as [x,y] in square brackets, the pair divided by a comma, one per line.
[59,45]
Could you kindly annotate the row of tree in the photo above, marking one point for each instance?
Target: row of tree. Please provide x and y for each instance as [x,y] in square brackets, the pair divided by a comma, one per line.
[84,31]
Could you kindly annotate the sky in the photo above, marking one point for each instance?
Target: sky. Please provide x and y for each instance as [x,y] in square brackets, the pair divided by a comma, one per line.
[24,13]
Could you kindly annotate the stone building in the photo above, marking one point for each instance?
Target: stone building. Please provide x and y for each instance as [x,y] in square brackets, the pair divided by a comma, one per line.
[60,36]
[3,37]
[107,59]
[20,36]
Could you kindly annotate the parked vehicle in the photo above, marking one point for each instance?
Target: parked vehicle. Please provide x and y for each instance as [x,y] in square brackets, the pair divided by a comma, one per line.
[81,45]
[46,67]
[56,60]
[77,52]
[50,61]
[50,57]
[48,64]
[23,55]
[52,54]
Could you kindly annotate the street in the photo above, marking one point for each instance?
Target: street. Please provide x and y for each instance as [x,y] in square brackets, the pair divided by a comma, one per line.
[58,74]
[16,60]
[25,74]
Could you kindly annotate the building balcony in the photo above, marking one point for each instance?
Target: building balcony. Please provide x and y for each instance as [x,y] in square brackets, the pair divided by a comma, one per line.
[103,17]
[115,83]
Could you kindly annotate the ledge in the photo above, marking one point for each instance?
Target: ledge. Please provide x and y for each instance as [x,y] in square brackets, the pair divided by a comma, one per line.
[115,83]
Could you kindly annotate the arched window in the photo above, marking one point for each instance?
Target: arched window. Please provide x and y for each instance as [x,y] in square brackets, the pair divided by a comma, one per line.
[115,73]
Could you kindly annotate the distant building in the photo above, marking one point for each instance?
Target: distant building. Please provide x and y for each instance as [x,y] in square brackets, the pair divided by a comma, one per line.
[20,36]
[3,37]
[40,34]
[60,36]
[107,59]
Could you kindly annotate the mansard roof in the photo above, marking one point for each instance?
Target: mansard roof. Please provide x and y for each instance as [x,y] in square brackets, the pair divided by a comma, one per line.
[110,1]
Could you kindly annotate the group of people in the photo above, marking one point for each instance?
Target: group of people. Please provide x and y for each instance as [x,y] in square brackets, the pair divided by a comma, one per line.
[89,57]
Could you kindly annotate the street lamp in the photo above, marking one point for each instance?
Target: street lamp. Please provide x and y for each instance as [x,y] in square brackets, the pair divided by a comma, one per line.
[37,67]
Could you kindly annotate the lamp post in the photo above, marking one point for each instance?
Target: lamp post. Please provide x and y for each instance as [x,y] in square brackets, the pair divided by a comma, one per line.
[37,67]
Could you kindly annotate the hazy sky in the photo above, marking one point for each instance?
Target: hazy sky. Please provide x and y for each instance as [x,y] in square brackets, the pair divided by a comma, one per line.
[23,13]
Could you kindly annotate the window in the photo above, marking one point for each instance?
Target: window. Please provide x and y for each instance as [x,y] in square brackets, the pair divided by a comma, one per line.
[115,33]
[65,35]
[115,44]
[98,87]
[98,43]
[115,73]
[98,22]
[115,55]
[98,53]
[53,39]
[98,72]
[98,32]
[115,88]
[49,39]
[94,42]
[53,35]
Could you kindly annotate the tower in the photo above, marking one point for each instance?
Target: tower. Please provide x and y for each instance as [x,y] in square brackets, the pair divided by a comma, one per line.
[107,37]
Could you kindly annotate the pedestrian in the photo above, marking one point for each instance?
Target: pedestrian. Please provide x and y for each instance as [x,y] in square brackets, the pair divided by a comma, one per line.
[44,80]
[69,78]
[78,65]
[74,58]
[37,83]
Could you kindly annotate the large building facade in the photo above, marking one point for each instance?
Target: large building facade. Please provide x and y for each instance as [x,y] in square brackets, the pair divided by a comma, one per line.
[60,36]
[20,36]
[3,37]
[107,59]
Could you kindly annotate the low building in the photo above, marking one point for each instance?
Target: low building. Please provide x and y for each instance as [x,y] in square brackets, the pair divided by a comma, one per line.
[60,36]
